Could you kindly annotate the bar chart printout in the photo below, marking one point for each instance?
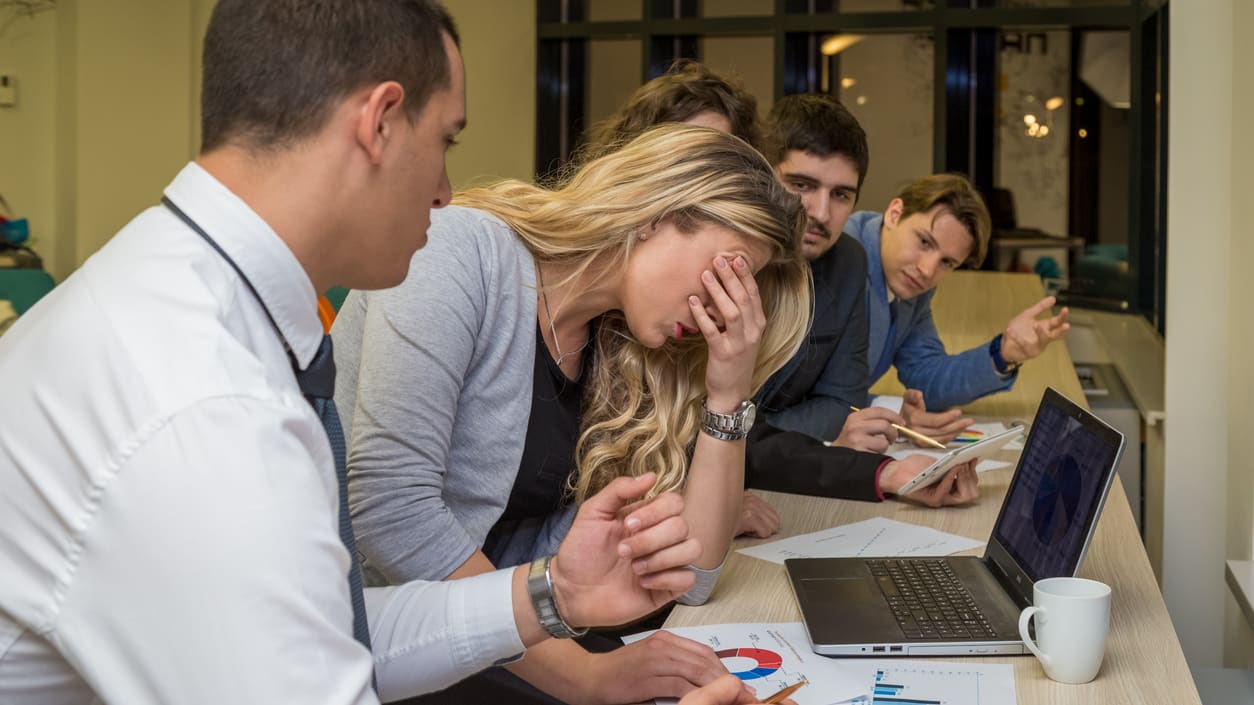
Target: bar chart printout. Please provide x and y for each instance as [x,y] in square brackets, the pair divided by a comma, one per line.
[937,683]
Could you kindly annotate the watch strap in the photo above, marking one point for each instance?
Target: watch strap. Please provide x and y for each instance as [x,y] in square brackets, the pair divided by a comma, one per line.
[1003,367]
[540,590]
[727,427]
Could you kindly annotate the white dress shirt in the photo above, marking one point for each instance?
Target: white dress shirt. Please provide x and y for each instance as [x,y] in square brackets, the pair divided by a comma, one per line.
[168,502]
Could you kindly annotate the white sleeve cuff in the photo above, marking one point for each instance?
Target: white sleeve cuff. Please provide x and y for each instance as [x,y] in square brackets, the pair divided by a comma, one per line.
[428,635]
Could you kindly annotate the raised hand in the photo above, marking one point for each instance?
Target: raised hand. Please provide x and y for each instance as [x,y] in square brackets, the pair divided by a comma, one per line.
[943,426]
[757,518]
[619,563]
[733,347]
[870,429]
[959,486]
[1026,337]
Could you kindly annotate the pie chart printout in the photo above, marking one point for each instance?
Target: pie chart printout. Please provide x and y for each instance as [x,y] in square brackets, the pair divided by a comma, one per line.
[748,664]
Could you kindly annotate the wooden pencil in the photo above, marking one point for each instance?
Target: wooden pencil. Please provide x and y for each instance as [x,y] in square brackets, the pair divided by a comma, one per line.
[914,434]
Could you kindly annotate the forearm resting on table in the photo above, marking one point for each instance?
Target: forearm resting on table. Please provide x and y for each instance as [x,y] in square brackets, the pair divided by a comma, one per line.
[713,492]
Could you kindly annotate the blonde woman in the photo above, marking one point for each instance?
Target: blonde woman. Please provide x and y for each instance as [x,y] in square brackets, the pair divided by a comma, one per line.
[548,341]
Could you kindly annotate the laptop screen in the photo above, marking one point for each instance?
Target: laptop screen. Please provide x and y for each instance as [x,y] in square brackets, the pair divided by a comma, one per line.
[1058,489]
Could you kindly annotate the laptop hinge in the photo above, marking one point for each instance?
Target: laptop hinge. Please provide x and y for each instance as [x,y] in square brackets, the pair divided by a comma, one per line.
[1020,589]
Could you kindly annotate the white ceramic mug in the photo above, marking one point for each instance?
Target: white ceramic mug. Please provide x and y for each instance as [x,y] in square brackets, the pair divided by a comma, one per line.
[1072,618]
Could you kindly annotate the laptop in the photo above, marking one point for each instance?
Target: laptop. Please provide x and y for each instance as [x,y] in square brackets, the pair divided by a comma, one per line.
[968,605]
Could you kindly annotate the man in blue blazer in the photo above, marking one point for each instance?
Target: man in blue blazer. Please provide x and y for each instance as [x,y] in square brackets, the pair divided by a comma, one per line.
[935,225]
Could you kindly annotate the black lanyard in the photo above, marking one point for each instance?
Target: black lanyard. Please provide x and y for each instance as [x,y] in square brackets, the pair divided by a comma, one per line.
[187,220]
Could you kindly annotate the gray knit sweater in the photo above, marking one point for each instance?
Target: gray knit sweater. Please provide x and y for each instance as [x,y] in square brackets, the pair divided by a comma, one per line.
[434,391]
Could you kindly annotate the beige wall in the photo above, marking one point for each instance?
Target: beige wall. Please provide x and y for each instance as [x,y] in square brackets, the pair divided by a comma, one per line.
[27,132]
[133,126]
[105,117]
[614,74]
[108,111]
[499,48]
[1240,495]
[1207,517]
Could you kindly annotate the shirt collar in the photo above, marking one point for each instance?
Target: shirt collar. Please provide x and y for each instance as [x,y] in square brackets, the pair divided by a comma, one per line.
[264,258]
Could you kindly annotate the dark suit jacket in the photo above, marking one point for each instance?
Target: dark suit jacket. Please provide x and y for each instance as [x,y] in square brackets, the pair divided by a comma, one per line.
[787,461]
[808,399]
[812,393]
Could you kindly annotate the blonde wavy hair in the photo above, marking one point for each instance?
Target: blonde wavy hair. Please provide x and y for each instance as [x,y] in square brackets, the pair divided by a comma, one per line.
[642,406]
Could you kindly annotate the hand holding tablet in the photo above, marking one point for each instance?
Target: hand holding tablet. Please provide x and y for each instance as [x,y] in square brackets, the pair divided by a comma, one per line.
[934,472]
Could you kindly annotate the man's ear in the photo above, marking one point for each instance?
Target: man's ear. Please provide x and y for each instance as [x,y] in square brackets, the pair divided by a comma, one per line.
[377,119]
[892,214]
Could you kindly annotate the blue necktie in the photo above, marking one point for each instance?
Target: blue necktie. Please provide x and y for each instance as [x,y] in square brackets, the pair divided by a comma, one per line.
[317,383]
[886,355]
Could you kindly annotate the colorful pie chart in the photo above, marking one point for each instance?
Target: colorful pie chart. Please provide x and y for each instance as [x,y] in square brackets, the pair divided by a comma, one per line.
[766,662]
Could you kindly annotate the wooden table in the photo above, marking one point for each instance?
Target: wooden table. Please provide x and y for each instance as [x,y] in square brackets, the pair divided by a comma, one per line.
[1143,664]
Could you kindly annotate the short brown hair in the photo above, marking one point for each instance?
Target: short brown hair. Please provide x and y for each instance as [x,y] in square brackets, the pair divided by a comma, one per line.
[957,196]
[817,124]
[686,90]
[274,68]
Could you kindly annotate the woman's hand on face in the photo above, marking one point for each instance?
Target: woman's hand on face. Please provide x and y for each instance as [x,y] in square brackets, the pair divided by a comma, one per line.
[733,347]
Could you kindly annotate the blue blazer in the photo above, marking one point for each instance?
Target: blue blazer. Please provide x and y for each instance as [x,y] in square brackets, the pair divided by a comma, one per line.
[916,349]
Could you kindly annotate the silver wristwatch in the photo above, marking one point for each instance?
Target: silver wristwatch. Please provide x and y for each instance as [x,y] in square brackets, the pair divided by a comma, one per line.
[540,590]
[728,427]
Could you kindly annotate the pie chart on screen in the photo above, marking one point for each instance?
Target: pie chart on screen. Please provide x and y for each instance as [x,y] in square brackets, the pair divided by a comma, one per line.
[1057,500]
[748,664]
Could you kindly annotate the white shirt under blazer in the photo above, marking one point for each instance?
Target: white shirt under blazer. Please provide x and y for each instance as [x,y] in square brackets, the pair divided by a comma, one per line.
[168,526]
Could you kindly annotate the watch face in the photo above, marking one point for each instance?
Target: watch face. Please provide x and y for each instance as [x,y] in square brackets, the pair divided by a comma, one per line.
[751,413]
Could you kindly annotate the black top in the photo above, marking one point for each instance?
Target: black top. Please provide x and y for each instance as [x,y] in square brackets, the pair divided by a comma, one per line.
[553,429]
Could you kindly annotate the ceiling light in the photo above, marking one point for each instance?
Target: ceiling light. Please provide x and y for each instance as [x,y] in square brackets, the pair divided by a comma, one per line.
[837,43]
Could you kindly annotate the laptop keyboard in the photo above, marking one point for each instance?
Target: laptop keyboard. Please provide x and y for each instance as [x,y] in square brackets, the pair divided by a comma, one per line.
[928,600]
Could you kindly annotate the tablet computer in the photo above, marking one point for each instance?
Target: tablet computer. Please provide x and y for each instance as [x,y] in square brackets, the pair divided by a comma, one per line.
[934,472]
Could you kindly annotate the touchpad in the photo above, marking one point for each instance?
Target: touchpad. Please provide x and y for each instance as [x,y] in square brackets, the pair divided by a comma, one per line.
[836,609]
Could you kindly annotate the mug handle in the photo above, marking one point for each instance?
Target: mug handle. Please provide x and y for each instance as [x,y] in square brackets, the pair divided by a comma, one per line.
[1024,618]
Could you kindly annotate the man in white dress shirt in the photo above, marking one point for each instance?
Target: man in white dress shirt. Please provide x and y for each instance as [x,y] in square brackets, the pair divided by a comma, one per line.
[168,498]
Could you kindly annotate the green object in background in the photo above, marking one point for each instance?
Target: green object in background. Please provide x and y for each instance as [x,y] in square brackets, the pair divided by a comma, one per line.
[1047,268]
[15,232]
[24,287]
[336,295]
